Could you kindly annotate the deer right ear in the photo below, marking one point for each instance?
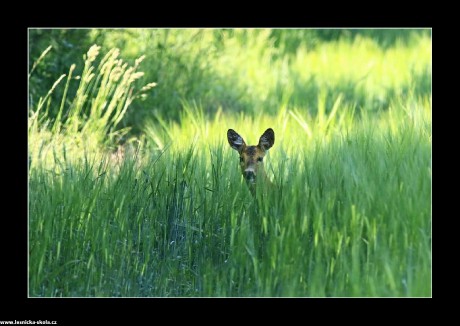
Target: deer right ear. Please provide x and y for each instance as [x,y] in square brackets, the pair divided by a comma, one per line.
[267,140]
[235,140]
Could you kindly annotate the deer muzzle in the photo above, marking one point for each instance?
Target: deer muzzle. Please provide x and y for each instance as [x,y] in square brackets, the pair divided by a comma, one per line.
[250,176]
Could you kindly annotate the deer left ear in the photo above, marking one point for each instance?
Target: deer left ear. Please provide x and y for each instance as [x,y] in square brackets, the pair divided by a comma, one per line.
[235,140]
[267,139]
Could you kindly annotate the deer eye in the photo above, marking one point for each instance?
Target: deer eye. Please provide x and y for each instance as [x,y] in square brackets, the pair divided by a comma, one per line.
[260,159]
[241,159]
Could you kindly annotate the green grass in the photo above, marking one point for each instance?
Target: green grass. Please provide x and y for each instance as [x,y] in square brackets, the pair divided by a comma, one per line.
[350,215]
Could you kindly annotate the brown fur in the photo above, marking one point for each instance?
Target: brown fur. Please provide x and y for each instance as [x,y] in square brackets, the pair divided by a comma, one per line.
[251,157]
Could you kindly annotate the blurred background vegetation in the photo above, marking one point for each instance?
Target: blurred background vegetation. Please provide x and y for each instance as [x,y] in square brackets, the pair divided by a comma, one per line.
[255,71]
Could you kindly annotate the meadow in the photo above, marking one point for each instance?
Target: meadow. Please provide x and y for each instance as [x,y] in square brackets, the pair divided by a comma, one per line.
[134,190]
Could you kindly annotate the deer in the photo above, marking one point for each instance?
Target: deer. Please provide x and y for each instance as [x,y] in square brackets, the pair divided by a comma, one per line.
[251,157]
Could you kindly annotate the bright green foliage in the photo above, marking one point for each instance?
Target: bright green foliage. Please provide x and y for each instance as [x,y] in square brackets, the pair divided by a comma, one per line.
[250,70]
[350,214]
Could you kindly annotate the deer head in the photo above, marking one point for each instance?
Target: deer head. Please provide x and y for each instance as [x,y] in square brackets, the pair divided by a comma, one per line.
[252,157]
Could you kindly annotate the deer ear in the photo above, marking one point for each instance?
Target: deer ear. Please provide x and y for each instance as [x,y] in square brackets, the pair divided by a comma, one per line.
[235,140]
[267,139]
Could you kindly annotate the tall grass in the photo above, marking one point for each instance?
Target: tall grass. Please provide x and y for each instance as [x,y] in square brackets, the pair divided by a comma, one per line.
[88,121]
[350,214]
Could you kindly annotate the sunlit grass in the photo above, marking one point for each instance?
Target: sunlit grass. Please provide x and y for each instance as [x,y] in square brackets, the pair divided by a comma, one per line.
[352,217]
[367,75]
[243,70]
[350,214]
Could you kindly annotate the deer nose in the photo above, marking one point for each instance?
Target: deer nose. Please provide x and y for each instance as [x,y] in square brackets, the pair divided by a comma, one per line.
[249,175]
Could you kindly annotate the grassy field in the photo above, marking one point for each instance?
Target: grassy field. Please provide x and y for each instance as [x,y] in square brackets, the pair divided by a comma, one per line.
[167,213]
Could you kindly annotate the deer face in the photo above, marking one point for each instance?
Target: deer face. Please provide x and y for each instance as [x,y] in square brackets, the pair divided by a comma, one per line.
[251,157]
